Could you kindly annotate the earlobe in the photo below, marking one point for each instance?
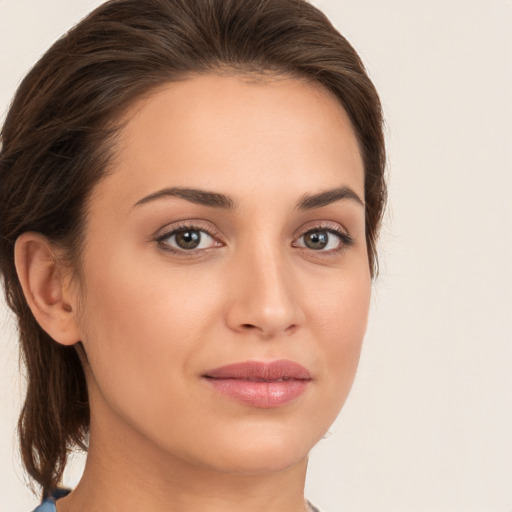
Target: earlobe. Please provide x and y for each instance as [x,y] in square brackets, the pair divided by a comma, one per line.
[45,288]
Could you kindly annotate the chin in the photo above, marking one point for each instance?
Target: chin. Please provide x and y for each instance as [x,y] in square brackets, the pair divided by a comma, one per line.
[261,450]
[261,461]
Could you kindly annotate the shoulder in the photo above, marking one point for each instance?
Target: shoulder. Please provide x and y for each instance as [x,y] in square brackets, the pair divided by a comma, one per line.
[48,504]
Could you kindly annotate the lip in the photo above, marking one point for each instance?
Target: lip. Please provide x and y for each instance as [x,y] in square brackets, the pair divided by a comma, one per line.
[265,385]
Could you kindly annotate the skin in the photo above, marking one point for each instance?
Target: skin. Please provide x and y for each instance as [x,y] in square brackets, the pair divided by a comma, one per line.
[152,321]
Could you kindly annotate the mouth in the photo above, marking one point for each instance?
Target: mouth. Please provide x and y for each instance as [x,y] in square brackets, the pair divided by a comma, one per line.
[265,385]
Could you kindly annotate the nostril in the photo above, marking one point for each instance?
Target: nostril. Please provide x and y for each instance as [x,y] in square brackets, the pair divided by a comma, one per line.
[291,329]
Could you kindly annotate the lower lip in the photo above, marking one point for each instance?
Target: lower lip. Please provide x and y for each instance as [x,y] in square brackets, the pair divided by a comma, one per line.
[265,395]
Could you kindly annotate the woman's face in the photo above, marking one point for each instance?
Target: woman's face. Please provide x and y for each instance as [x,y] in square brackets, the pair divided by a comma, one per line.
[225,274]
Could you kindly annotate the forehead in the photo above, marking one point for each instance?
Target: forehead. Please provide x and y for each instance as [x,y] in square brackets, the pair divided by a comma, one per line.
[215,131]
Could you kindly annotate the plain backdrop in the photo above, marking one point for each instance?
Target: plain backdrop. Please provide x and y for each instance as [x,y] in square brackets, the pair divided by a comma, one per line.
[428,426]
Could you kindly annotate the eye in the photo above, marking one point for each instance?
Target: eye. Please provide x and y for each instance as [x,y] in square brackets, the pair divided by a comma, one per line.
[324,240]
[185,239]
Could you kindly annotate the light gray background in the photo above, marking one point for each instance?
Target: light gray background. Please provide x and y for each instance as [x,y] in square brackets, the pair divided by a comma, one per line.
[428,426]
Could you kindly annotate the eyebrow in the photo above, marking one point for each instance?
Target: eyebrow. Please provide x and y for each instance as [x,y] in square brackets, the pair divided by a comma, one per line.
[202,197]
[217,200]
[311,201]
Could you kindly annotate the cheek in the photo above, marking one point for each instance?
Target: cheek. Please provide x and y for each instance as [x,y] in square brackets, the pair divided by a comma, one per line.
[135,296]
[339,312]
[142,323]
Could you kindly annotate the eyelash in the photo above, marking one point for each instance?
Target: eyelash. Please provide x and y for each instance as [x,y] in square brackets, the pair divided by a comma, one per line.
[186,227]
[345,240]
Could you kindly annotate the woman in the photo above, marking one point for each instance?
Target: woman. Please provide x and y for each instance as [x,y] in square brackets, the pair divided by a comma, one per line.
[191,196]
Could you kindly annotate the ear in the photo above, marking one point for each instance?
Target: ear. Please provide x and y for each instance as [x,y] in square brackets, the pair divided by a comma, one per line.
[47,292]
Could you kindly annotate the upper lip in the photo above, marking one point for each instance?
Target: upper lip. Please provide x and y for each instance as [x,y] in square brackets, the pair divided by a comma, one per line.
[261,371]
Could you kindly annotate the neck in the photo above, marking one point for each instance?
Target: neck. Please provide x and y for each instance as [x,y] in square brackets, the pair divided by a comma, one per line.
[126,470]
[111,488]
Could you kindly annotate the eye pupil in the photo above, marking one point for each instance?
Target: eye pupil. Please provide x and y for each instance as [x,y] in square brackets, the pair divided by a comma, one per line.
[316,239]
[188,239]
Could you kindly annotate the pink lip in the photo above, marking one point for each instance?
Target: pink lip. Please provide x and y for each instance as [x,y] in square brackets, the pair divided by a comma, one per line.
[259,384]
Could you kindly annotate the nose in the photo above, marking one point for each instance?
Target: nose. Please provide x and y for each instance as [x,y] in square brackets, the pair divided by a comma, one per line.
[264,298]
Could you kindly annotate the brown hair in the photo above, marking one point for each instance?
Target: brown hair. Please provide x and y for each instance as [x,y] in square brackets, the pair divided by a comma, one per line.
[57,140]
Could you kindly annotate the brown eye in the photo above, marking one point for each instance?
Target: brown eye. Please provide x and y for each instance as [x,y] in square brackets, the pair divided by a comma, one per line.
[189,239]
[316,239]
[324,240]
